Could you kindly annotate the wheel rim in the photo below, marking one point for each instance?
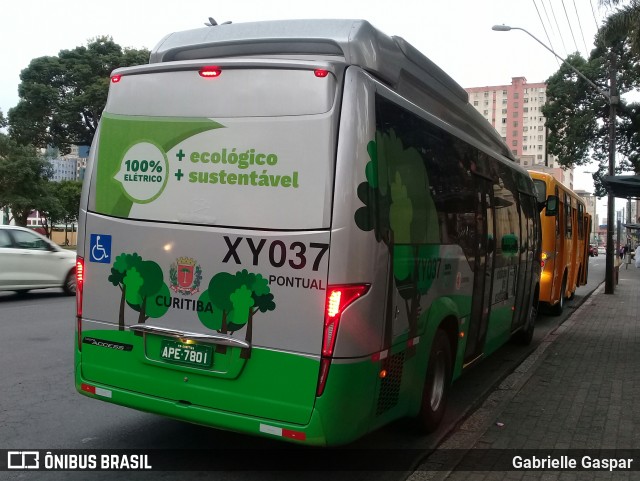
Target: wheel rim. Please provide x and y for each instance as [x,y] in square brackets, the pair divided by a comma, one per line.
[437,386]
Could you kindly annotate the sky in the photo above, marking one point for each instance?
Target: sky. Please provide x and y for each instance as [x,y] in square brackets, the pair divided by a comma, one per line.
[455,34]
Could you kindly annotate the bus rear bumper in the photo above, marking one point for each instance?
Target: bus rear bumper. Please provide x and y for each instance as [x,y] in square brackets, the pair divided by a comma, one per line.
[310,434]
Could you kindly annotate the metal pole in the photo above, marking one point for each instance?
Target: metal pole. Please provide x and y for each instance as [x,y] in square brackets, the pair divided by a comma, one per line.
[609,284]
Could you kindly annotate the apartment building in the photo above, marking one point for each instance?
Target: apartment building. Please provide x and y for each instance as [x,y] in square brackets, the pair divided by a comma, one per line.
[515,111]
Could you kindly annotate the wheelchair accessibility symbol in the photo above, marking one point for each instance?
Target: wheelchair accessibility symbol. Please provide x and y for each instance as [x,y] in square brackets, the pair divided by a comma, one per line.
[100,246]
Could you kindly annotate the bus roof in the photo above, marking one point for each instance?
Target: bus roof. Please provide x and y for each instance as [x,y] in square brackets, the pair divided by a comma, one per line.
[356,42]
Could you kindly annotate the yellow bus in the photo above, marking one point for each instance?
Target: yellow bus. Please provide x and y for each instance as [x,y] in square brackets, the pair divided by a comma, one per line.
[565,241]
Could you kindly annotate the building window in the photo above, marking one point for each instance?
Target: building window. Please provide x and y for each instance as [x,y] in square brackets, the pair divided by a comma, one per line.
[524,147]
[504,121]
[486,102]
[514,143]
[539,156]
[525,109]
[540,128]
[514,152]
[526,100]
[504,92]
[486,94]
[504,101]
[540,137]
[525,128]
[475,103]
[504,111]
[516,95]
[515,105]
[515,123]
[539,147]
[486,112]
[514,133]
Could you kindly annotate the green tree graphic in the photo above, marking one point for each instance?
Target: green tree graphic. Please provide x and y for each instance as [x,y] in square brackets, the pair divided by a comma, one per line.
[139,281]
[236,299]
[400,211]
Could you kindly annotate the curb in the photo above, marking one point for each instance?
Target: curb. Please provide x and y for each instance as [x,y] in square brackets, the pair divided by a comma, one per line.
[475,426]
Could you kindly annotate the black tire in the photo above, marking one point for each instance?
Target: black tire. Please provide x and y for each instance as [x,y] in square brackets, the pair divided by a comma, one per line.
[69,286]
[557,309]
[525,335]
[436,386]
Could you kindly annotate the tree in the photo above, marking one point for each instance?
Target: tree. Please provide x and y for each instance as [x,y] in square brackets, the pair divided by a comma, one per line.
[577,115]
[59,204]
[62,97]
[23,178]
[68,193]
[396,179]
[625,19]
[50,207]
[139,281]
[236,299]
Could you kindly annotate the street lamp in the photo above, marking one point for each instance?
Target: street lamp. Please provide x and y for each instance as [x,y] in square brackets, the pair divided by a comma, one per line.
[613,100]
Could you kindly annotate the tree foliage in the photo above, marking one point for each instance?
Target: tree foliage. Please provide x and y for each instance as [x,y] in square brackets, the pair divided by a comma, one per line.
[62,97]
[626,18]
[24,177]
[236,299]
[577,115]
[140,282]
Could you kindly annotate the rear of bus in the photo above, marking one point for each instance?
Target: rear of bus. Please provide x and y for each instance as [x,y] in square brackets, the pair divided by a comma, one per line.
[205,291]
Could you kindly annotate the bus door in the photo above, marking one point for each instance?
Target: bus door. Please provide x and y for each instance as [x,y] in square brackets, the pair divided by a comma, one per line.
[483,272]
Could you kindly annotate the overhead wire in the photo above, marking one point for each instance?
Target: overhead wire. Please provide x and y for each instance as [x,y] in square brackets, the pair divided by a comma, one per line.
[555,18]
[570,27]
[544,28]
[594,14]
[586,50]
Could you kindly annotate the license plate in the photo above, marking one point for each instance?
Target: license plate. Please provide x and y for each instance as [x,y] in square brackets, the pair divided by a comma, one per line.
[188,354]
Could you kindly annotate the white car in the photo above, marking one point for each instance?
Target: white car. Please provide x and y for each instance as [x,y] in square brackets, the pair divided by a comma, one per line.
[29,260]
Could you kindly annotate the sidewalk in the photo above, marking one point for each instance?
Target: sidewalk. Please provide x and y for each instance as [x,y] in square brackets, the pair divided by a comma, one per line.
[579,390]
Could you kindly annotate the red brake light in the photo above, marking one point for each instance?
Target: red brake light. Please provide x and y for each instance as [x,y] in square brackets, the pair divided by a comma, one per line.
[338,299]
[210,71]
[116,78]
[321,73]
[79,288]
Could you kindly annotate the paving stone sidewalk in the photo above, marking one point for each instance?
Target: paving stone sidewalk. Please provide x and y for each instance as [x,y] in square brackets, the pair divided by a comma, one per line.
[579,390]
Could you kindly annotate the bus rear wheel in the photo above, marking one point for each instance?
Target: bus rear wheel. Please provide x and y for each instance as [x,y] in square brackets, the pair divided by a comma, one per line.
[557,309]
[436,386]
[525,335]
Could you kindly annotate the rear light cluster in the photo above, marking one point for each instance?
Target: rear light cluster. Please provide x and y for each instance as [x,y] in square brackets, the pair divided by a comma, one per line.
[79,291]
[543,257]
[337,300]
[212,71]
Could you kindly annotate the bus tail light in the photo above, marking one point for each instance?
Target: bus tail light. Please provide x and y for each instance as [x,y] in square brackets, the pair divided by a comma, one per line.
[210,71]
[337,300]
[79,292]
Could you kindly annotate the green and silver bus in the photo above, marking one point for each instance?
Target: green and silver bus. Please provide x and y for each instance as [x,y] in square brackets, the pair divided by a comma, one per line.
[299,230]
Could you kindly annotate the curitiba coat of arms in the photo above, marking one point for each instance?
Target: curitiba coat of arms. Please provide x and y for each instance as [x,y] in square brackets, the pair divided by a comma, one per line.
[185,276]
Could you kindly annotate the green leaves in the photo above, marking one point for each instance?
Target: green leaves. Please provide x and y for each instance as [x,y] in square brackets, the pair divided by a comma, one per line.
[23,179]
[235,298]
[62,97]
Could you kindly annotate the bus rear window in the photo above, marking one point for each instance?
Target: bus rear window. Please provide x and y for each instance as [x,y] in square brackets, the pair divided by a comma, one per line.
[250,148]
[235,92]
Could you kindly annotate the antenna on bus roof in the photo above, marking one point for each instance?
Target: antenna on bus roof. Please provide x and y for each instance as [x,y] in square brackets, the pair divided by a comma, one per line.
[213,23]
